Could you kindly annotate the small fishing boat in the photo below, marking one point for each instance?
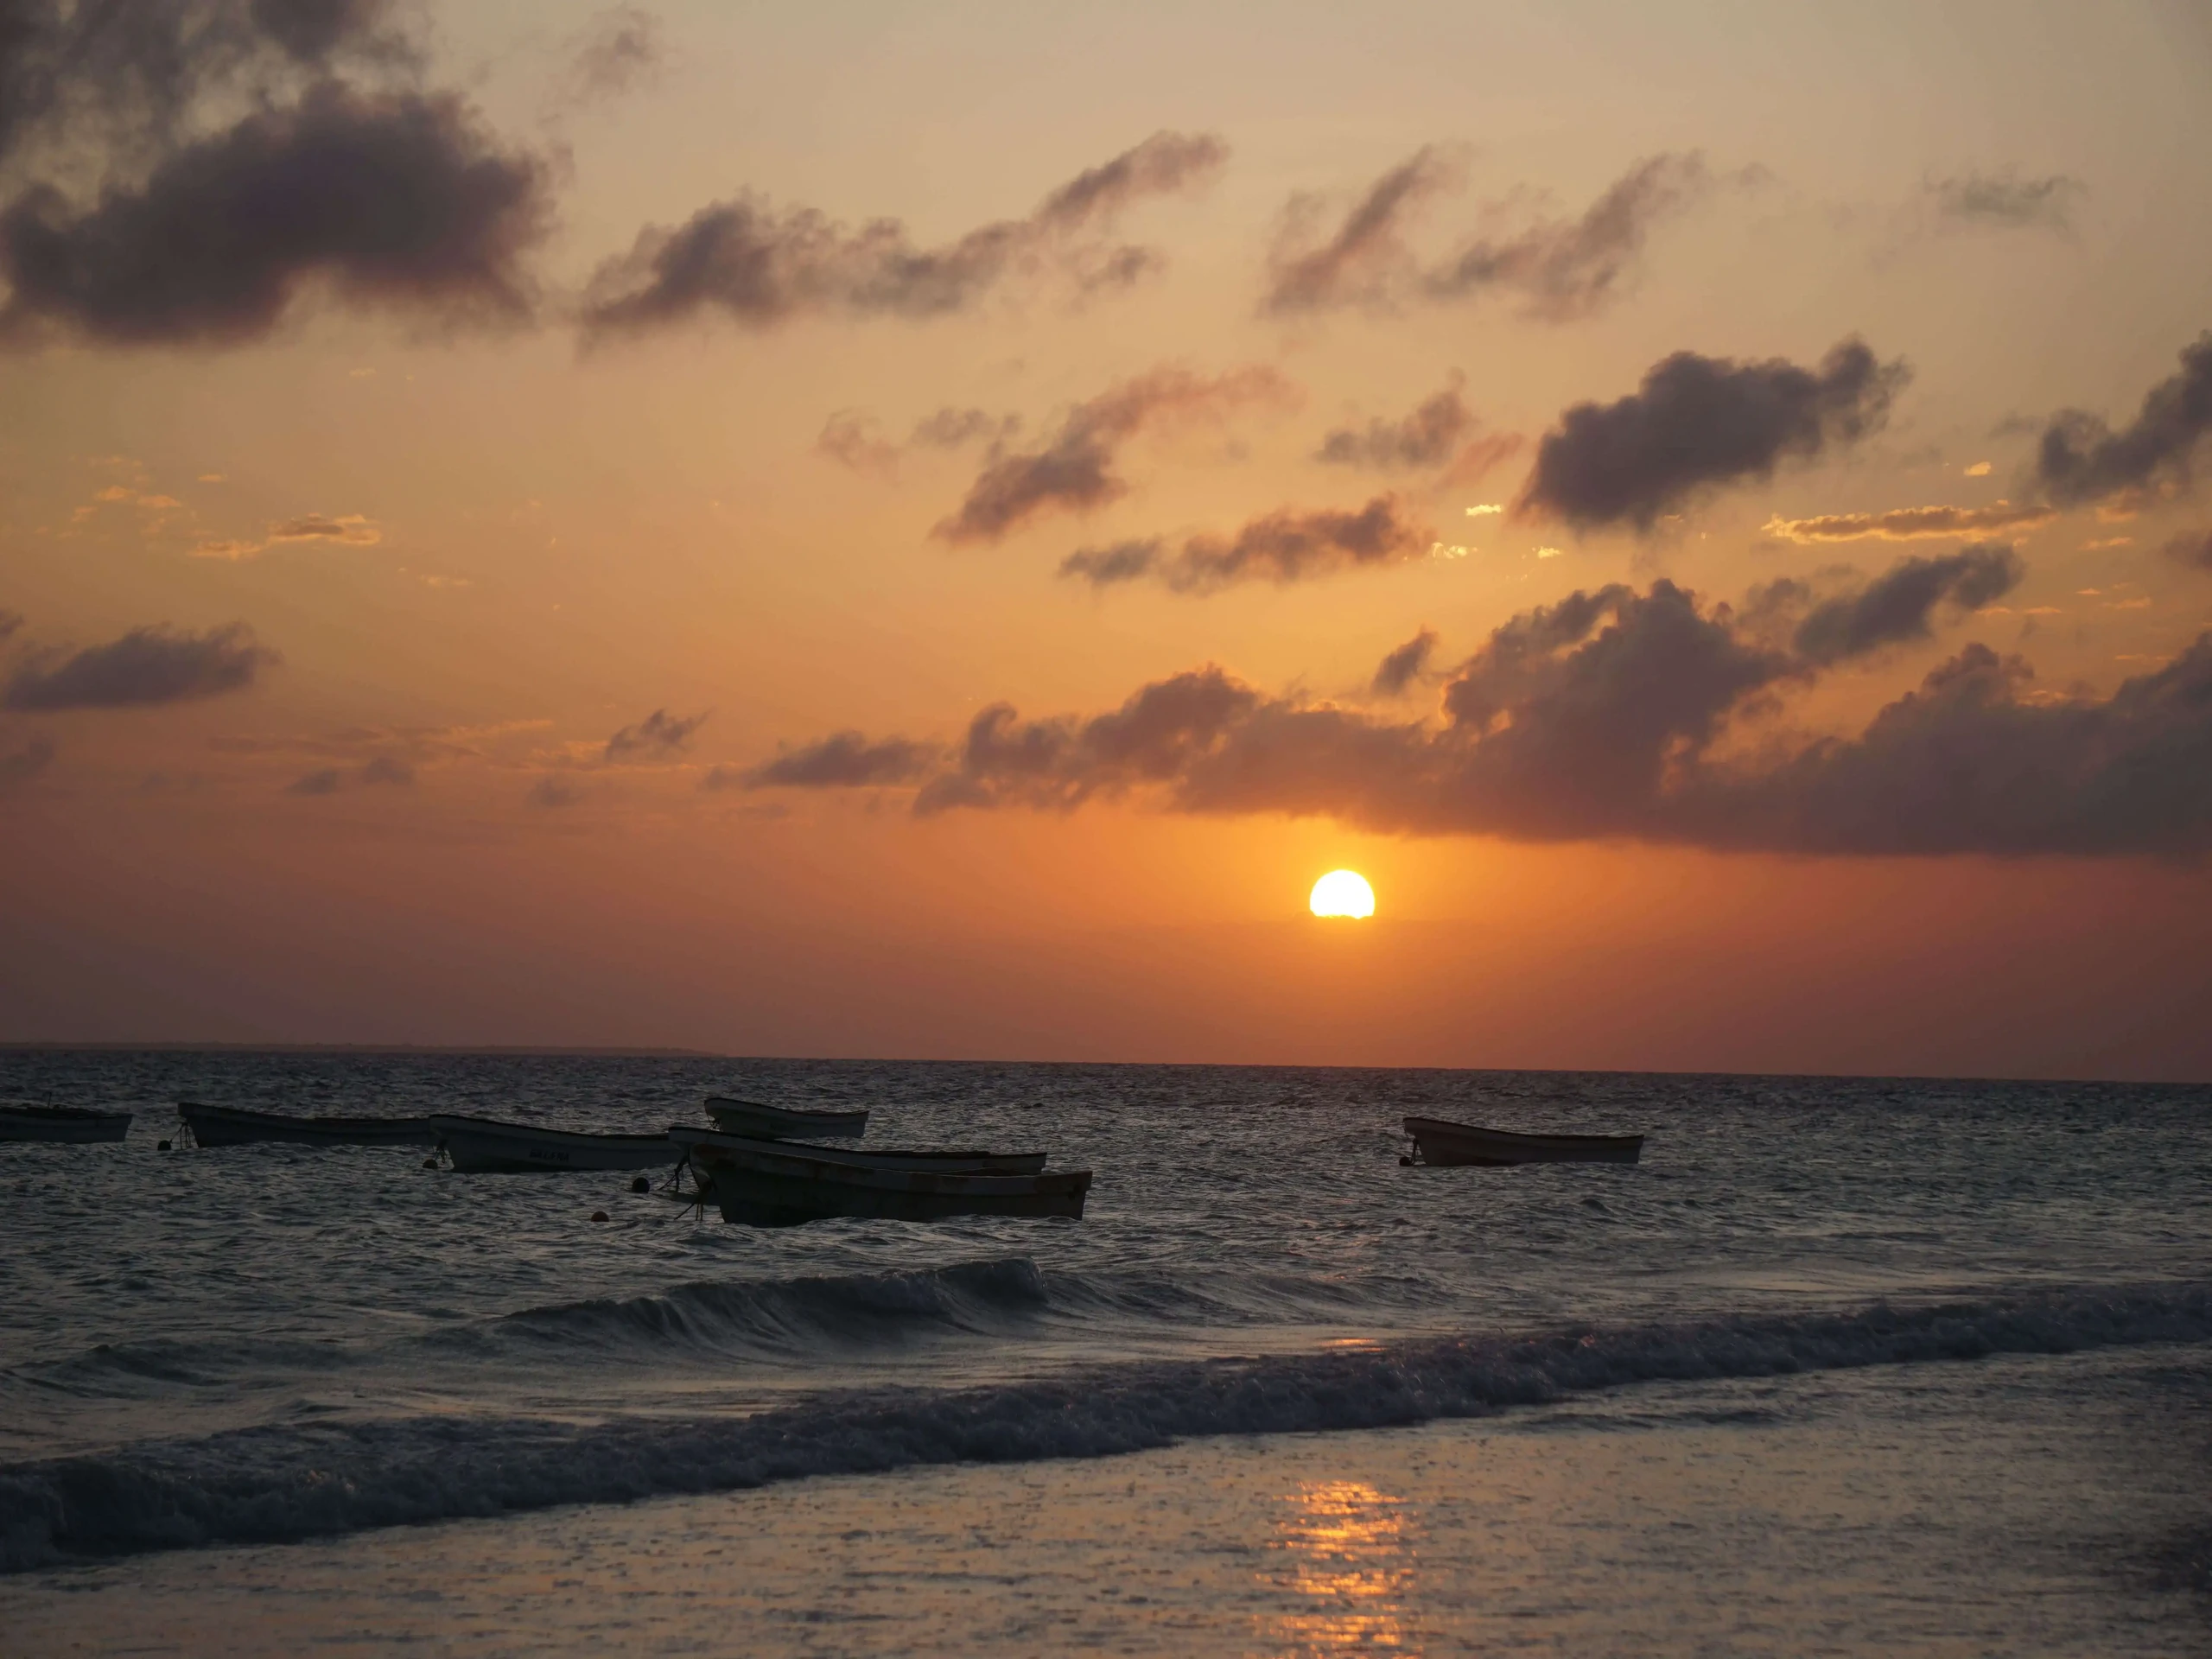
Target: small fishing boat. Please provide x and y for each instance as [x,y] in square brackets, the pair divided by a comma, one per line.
[784,1183]
[75,1124]
[486,1146]
[1436,1142]
[765,1122]
[236,1126]
[944,1161]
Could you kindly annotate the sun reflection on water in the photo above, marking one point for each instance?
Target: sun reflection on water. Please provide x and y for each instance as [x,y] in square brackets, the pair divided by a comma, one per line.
[1344,1551]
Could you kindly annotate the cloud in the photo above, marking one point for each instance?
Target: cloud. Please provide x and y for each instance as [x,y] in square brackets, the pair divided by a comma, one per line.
[2192,548]
[617,51]
[1566,270]
[2082,460]
[1560,270]
[854,438]
[2006,201]
[1291,544]
[1359,262]
[1405,665]
[843,761]
[145,666]
[387,769]
[348,529]
[1898,607]
[1427,437]
[324,782]
[18,768]
[1700,422]
[552,792]
[760,265]
[10,621]
[389,199]
[657,736]
[1607,717]
[1909,524]
[1074,471]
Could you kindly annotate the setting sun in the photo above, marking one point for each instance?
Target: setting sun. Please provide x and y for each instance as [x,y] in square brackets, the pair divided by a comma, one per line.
[1343,893]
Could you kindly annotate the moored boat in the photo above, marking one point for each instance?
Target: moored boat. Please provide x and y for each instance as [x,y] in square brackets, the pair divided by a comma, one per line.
[765,1122]
[487,1146]
[947,1160]
[783,1184]
[75,1124]
[236,1125]
[1437,1141]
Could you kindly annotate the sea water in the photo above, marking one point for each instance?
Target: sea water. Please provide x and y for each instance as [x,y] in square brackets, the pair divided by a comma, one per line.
[230,1349]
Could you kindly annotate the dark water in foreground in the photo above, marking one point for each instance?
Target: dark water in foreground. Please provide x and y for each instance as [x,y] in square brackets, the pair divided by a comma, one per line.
[268,1343]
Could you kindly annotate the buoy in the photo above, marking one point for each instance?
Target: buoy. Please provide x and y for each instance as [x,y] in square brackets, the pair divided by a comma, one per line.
[160,1146]
[641,1185]
[429,1163]
[599,1215]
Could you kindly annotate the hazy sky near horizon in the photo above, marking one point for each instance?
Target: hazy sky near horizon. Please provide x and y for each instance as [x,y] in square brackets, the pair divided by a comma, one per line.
[921,530]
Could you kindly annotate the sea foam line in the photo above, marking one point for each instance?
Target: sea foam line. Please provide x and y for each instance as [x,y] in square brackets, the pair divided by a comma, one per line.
[279,1483]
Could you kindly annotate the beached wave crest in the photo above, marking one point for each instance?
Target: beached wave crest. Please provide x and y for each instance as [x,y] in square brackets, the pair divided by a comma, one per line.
[282,1483]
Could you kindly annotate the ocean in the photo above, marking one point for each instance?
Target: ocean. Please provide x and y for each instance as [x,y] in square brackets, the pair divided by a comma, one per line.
[1850,1366]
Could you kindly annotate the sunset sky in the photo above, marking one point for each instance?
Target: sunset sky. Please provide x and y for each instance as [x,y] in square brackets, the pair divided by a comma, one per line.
[921,530]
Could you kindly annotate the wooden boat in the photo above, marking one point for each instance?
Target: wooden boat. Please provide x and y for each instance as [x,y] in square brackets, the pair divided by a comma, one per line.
[1436,1142]
[944,1160]
[765,1122]
[75,1124]
[783,1184]
[486,1146]
[235,1126]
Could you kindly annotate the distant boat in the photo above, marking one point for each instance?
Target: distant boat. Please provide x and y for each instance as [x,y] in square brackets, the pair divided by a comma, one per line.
[486,1146]
[1436,1142]
[767,1123]
[783,1184]
[235,1126]
[944,1161]
[70,1123]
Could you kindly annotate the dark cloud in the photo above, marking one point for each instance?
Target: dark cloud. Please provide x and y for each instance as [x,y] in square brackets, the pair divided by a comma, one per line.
[552,792]
[147,665]
[1359,262]
[393,199]
[1560,270]
[950,428]
[1564,270]
[1699,423]
[1073,472]
[854,438]
[1285,546]
[387,769]
[1405,666]
[843,761]
[1428,436]
[2007,201]
[2080,459]
[659,735]
[761,265]
[18,768]
[1610,713]
[324,782]
[10,621]
[1901,604]
[2192,548]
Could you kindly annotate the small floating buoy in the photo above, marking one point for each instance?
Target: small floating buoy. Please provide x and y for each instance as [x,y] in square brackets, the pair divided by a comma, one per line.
[1404,1162]
[160,1146]
[599,1215]
[429,1163]
[641,1185]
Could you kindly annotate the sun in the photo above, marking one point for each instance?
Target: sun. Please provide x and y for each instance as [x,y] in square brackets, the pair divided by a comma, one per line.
[1343,893]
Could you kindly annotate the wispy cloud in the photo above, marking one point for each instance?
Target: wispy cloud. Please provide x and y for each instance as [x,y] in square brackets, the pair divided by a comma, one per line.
[1910,524]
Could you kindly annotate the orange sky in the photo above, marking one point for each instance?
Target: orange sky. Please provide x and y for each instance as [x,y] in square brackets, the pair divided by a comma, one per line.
[631,398]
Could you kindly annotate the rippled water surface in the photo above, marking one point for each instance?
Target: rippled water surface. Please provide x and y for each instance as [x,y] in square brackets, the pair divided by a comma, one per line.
[347,1308]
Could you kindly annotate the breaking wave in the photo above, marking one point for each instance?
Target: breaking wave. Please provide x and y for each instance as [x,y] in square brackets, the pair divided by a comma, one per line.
[282,1482]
